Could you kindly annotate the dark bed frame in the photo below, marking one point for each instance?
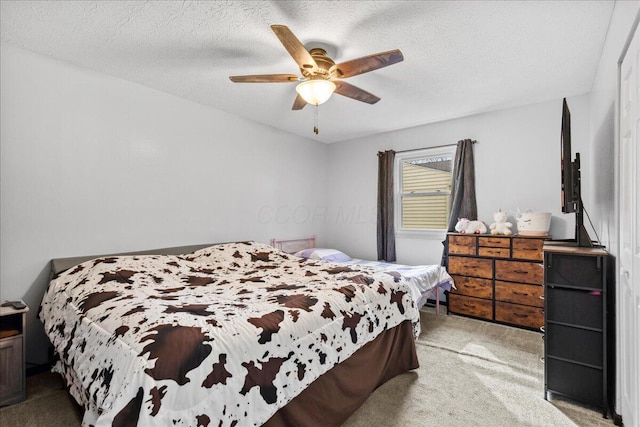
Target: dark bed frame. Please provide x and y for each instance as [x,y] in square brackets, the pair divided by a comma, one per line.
[58,265]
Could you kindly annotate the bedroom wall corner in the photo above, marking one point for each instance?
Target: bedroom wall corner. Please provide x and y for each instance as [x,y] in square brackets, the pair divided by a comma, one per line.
[604,144]
[602,124]
[92,164]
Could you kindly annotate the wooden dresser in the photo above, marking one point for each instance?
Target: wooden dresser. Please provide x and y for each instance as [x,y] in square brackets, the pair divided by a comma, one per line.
[498,278]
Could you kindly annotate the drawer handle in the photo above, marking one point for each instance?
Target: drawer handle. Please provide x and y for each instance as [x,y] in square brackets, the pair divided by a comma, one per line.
[524,294]
[521,271]
[542,329]
[541,297]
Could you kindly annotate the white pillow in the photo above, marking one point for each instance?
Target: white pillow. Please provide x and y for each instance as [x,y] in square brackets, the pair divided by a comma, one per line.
[331,255]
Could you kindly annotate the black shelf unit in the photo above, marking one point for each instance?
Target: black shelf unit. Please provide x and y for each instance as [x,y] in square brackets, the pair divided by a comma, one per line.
[578,324]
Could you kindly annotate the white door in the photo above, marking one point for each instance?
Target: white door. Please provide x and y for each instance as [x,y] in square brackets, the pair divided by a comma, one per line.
[628,295]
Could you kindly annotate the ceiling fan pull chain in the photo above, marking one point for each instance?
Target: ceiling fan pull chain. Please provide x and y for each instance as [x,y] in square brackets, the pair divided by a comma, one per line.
[315,120]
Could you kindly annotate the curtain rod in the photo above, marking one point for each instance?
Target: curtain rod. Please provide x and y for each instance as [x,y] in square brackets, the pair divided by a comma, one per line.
[435,146]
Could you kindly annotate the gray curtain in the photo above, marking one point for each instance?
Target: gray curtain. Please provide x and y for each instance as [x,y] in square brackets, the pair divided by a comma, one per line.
[463,190]
[463,185]
[386,232]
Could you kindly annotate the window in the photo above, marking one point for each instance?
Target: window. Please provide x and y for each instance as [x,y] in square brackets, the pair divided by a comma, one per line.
[423,191]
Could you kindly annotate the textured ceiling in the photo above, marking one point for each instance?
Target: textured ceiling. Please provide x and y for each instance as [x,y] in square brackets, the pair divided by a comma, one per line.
[461,57]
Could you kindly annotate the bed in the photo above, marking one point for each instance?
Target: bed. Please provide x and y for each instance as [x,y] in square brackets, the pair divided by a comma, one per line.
[425,281]
[226,334]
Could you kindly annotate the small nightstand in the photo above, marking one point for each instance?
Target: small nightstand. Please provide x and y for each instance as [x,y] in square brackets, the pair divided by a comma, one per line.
[12,352]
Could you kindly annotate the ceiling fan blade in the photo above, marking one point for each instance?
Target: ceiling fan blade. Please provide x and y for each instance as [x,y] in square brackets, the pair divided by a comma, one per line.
[265,78]
[351,91]
[299,103]
[367,63]
[295,48]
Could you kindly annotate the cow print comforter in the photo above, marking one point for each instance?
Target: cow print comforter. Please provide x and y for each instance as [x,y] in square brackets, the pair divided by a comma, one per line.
[221,337]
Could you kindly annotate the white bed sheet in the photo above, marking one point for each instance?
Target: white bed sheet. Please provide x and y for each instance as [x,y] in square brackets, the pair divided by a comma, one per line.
[423,280]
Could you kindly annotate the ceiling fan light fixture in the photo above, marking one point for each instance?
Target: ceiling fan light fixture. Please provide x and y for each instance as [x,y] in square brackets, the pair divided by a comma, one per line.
[316,92]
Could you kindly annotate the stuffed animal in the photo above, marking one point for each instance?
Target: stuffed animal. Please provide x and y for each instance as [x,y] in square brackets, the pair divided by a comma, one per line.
[465,225]
[501,226]
[461,225]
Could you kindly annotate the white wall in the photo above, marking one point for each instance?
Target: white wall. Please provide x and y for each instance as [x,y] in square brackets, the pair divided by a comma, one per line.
[605,148]
[517,166]
[92,164]
[602,123]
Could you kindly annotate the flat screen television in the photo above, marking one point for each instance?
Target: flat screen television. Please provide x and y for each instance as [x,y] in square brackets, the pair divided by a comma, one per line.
[568,204]
[571,191]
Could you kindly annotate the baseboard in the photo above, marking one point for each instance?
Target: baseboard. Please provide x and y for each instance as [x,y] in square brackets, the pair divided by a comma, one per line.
[38,369]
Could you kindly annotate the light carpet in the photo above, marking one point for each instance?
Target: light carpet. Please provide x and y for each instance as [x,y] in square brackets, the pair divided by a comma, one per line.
[471,373]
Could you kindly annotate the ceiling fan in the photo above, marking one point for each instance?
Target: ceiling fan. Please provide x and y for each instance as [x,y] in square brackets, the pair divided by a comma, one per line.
[321,76]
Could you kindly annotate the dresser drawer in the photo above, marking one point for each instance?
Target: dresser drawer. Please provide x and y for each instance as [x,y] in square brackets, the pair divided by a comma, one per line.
[530,249]
[575,271]
[494,252]
[470,306]
[521,315]
[519,293]
[11,370]
[494,242]
[576,344]
[462,245]
[476,267]
[578,381]
[472,286]
[575,307]
[519,271]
